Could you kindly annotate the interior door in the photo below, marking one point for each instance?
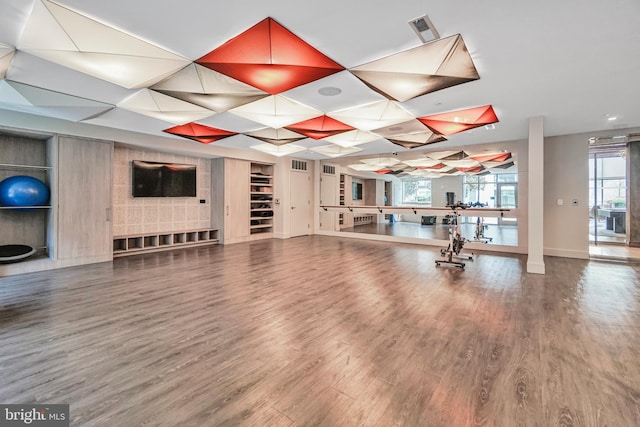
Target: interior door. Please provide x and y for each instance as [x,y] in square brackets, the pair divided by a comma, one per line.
[300,197]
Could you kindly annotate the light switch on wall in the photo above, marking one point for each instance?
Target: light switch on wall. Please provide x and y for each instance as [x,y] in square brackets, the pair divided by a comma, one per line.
[560,202]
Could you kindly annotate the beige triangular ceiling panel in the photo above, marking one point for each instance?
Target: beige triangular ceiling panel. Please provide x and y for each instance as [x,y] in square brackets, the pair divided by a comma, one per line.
[209,89]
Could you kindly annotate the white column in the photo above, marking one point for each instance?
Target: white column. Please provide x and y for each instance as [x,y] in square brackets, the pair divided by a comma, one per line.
[535,262]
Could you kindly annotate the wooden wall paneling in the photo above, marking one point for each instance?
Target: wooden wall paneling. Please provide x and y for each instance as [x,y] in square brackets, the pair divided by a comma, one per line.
[84,198]
[236,207]
[230,199]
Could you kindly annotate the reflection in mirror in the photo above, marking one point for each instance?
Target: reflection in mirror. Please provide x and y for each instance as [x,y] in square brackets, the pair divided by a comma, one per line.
[489,190]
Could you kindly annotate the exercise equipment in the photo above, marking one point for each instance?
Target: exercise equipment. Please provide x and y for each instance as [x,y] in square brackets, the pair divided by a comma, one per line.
[479,234]
[456,241]
[22,190]
[454,211]
[15,253]
[480,227]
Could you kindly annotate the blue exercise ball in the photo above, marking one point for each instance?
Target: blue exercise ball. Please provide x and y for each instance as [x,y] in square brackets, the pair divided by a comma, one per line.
[22,190]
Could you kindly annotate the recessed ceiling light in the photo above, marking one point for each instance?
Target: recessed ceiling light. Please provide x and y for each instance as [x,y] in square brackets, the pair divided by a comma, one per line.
[329,91]
[490,126]
[612,118]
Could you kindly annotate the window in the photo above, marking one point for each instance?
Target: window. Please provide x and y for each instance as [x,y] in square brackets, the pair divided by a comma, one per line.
[499,190]
[416,192]
[611,182]
[495,191]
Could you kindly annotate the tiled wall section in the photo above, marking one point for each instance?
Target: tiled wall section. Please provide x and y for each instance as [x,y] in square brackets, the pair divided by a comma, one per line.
[158,214]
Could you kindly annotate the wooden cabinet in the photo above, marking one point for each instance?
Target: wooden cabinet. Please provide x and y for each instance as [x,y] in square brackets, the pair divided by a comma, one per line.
[242,199]
[230,207]
[342,199]
[84,199]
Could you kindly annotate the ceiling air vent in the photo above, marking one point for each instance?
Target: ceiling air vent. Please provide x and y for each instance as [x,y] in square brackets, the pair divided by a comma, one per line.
[424,29]
[298,165]
[328,170]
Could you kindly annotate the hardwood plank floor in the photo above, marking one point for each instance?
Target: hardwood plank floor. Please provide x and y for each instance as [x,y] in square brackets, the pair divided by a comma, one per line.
[325,331]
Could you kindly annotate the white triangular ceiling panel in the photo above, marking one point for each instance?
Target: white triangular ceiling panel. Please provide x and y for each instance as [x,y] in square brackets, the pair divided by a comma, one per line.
[278,150]
[163,107]
[335,150]
[276,111]
[6,56]
[372,116]
[352,137]
[71,39]
[29,99]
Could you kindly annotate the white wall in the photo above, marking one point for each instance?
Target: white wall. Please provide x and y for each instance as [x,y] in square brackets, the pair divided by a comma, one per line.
[566,177]
[158,214]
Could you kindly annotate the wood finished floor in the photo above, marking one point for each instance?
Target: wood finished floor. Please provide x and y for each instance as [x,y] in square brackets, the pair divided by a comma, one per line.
[325,331]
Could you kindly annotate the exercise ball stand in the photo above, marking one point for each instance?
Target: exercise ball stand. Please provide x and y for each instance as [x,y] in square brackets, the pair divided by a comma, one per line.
[15,253]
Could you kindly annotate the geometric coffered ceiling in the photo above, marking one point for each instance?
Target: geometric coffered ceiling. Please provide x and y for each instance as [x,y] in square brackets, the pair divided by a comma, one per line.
[247,76]
[331,73]
[440,164]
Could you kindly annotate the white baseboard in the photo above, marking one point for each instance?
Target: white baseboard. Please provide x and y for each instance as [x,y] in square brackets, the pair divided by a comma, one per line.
[535,267]
[566,253]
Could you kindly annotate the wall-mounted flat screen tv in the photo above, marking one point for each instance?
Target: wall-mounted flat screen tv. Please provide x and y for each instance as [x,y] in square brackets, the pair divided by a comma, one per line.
[154,179]
[357,191]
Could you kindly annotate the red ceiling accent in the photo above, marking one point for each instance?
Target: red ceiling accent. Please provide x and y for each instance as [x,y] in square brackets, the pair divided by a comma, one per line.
[461,120]
[201,133]
[495,157]
[383,171]
[438,166]
[472,169]
[271,58]
[320,127]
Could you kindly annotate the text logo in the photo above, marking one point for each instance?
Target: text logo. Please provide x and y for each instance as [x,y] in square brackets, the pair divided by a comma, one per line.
[34,415]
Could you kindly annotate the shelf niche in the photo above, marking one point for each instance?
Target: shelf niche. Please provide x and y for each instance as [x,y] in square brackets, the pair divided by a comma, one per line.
[261,199]
[28,225]
[148,242]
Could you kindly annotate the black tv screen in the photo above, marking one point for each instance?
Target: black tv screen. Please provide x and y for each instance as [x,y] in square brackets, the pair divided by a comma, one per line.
[154,179]
[357,191]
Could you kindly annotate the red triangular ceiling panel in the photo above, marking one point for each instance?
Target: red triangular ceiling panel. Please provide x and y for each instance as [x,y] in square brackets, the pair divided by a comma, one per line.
[201,133]
[461,120]
[270,58]
[320,127]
